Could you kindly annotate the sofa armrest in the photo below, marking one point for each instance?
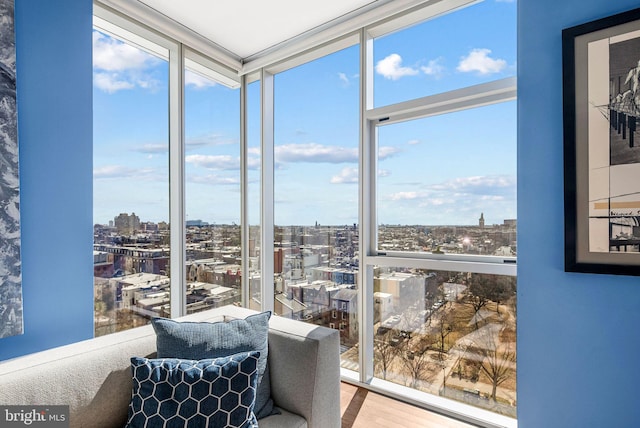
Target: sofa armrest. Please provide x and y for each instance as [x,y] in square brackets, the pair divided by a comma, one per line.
[304,361]
[304,365]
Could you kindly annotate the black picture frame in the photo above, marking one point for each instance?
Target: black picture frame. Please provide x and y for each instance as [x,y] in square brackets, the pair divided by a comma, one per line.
[601,77]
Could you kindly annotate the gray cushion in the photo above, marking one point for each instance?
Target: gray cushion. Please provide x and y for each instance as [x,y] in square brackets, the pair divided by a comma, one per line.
[197,341]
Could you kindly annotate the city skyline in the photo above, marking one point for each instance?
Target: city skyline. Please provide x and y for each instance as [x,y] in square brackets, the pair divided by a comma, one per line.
[442,170]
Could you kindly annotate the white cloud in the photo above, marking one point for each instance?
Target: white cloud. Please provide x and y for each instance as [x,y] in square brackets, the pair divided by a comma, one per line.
[153,148]
[479,61]
[111,82]
[391,68]
[413,142]
[347,175]
[406,195]
[481,185]
[433,68]
[113,55]
[462,190]
[222,162]
[197,81]
[315,153]
[210,139]
[120,171]
[319,153]
[344,79]
[118,66]
[213,179]
[253,163]
[386,152]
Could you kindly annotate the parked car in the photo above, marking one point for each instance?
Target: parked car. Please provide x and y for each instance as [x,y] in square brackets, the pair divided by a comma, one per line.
[395,340]
[382,330]
[391,321]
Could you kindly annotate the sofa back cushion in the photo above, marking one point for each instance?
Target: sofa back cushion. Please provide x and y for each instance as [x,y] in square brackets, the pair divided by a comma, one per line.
[200,340]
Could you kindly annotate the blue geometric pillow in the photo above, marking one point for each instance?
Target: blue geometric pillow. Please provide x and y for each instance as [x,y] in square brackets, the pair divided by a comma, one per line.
[217,392]
[200,340]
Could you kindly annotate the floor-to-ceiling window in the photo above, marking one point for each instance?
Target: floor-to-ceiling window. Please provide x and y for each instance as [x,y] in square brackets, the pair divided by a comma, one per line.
[316,140]
[212,185]
[443,254]
[379,195]
[130,179]
[166,153]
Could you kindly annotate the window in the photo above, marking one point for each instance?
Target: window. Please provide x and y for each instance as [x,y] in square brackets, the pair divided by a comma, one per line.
[386,194]
[450,186]
[455,333]
[445,195]
[451,51]
[148,178]
[131,181]
[316,190]
[212,185]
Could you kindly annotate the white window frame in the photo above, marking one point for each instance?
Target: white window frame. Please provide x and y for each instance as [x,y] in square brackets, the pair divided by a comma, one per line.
[460,99]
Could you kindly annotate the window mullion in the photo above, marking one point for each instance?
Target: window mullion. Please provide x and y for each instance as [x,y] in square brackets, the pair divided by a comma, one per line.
[244,198]
[366,213]
[177,182]
[267,204]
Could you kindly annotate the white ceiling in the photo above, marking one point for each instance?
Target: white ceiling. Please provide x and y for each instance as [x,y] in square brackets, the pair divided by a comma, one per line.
[248,27]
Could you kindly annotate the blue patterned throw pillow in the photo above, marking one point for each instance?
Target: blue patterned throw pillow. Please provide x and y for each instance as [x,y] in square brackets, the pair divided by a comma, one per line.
[200,340]
[209,393]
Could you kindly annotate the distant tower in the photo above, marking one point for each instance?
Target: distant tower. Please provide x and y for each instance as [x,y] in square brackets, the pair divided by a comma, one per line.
[481,221]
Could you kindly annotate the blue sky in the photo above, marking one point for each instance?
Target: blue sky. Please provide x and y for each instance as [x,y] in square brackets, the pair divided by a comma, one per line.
[440,170]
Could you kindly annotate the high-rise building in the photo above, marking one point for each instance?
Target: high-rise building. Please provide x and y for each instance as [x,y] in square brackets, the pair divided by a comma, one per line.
[125,223]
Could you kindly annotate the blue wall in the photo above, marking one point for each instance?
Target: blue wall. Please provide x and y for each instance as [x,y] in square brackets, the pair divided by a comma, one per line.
[53,44]
[578,341]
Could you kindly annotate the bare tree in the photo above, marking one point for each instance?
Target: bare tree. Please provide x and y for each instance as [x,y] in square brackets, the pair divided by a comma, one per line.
[479,291]
[444,327]
[416,360]
[498,357]
[504,289]
[385,353]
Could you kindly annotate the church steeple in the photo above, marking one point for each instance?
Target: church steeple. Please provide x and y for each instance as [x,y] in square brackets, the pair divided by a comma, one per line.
[481,221]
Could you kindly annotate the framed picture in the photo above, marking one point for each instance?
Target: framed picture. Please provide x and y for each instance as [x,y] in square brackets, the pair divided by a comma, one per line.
[601,94]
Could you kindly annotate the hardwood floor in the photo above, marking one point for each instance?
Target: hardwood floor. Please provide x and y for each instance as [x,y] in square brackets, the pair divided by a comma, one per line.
[361,408]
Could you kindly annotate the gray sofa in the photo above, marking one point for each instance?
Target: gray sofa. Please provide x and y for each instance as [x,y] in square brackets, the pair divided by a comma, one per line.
[93,377]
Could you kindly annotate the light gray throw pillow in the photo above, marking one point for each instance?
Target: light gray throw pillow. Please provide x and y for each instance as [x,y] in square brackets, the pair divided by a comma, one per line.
[201,340]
